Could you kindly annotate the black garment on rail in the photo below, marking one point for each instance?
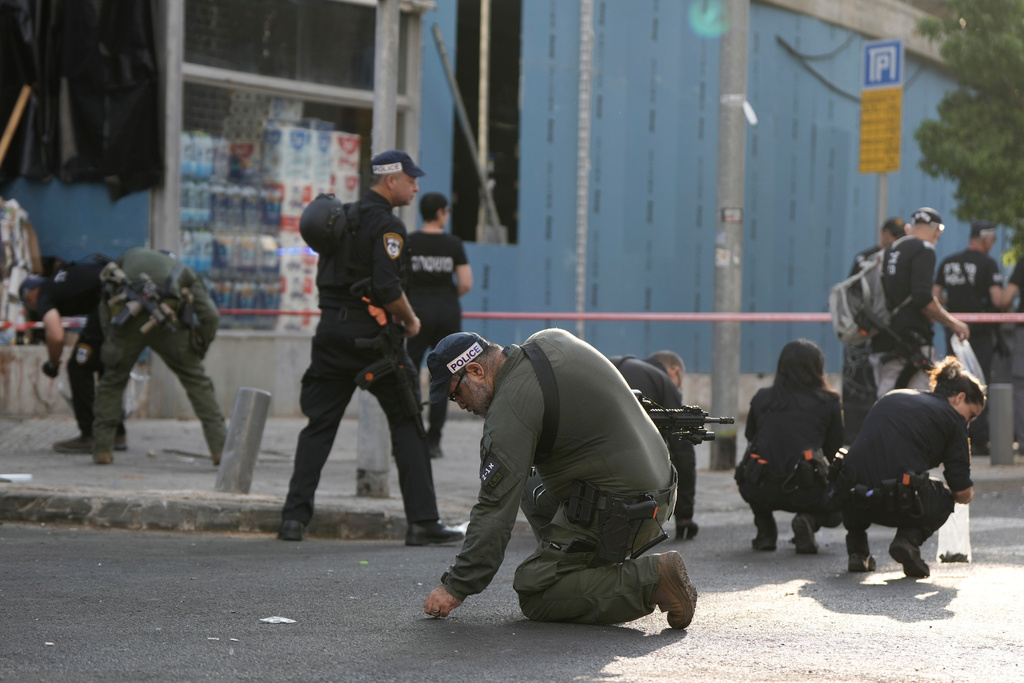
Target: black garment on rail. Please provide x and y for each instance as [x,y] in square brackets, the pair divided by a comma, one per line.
[93,114]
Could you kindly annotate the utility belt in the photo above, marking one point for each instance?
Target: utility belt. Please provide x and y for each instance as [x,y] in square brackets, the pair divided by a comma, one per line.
[902,495]
[809,472]
[618,518]
[352,313]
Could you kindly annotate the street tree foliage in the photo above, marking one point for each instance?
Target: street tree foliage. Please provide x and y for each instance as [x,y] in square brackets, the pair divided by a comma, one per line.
[978,139]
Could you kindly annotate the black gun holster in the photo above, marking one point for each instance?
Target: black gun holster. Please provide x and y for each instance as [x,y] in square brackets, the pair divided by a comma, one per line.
[618,518]
[810,471]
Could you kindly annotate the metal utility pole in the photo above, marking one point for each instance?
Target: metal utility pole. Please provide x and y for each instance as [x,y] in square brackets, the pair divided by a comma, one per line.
[586,61]
[725,361]
[483,111]
[373,439]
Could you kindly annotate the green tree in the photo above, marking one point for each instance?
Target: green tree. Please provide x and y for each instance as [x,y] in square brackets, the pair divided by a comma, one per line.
[978,140]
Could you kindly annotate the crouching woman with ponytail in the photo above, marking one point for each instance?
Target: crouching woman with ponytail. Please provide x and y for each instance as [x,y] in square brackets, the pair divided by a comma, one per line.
[906,434]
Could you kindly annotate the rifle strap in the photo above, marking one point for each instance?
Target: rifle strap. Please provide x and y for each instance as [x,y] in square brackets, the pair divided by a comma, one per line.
[549,390]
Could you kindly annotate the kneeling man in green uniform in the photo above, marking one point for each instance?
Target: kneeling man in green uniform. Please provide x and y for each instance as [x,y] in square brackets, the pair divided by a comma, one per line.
[565,438]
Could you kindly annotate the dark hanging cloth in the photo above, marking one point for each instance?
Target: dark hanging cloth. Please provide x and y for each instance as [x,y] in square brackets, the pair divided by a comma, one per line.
[93,115]
[17,68]
[109,87]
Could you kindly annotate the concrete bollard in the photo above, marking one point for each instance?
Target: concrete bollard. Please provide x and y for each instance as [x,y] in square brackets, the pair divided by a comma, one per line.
[1000,423]
[373,448]
[245,433]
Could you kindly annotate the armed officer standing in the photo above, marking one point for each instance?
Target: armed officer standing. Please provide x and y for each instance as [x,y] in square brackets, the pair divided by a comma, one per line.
[901,355]
[361,278]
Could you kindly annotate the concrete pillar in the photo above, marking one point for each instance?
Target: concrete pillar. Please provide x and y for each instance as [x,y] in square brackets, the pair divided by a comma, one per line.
[373,448]
[245,433]
[732,136]
[1000,423]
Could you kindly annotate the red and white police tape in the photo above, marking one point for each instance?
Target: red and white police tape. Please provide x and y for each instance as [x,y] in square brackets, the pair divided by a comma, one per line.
[708,317]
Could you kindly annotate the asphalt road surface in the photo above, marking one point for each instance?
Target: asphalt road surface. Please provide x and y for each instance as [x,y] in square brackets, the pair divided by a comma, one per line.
[80,604]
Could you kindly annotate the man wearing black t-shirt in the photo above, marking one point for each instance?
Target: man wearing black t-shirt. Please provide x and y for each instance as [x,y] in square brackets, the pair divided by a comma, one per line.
[900,358]
[74,290]
[973,284]
[436,257]
[1014,285]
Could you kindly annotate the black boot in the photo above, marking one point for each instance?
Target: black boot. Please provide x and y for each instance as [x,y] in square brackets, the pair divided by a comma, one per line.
[804,527]
[860,556]
[906,549]
[767,532]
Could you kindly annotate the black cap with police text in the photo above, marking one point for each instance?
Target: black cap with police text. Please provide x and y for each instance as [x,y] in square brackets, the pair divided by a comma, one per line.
[983,229]
[449,356]
[927,215]
[393,161]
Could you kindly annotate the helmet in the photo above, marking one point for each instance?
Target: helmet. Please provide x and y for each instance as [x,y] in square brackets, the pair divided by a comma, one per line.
[322,222]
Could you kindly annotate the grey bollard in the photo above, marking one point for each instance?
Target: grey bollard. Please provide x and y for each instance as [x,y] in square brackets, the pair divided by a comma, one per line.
[245,433]
[373,448]
[1000,423]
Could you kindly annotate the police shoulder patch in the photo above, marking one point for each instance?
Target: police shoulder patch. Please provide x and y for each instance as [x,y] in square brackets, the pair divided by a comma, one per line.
[491,472]
[393,243]
[82,353]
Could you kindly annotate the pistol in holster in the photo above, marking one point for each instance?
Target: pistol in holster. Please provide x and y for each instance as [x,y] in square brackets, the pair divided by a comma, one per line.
[618,518]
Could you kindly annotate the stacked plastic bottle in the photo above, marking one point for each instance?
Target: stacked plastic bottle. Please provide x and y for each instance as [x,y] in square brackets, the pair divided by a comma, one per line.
[230,226]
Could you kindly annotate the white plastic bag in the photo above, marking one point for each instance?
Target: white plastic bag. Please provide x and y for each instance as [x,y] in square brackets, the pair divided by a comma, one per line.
[955,536]
[964,352]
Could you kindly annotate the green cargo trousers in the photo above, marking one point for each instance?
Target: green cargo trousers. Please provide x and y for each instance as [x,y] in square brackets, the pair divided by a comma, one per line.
[555,585]
[123,344]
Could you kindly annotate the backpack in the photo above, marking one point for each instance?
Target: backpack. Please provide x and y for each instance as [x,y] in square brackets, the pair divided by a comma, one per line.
[857,304]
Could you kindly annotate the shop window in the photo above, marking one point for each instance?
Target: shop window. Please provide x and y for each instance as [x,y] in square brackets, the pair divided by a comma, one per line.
[250,163]
[317,41]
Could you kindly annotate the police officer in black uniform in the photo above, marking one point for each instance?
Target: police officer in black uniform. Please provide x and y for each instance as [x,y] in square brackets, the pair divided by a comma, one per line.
[899,357]
[362,248]
[973,284]
[884,478]
[660,378]
[74,290]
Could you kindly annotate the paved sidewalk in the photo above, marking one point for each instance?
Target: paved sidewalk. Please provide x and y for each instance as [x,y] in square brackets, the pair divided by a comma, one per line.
[167,481]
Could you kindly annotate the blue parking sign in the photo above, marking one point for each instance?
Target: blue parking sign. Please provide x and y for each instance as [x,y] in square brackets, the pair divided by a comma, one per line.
[883,64]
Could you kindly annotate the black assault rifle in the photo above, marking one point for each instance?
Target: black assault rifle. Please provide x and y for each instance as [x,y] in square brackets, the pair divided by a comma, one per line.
[140,295]
[907,349]
[389,344]
[686,422]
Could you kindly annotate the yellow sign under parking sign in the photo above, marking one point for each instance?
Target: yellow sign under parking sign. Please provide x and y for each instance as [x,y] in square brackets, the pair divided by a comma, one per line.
[880,111]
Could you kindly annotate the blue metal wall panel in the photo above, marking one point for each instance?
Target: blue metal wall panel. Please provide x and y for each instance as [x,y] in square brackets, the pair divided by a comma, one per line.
[77,219]
[652,196]
[437,120]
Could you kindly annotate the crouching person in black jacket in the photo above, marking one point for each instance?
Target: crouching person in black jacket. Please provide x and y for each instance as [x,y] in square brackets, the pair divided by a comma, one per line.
[885,474]
[794,428]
